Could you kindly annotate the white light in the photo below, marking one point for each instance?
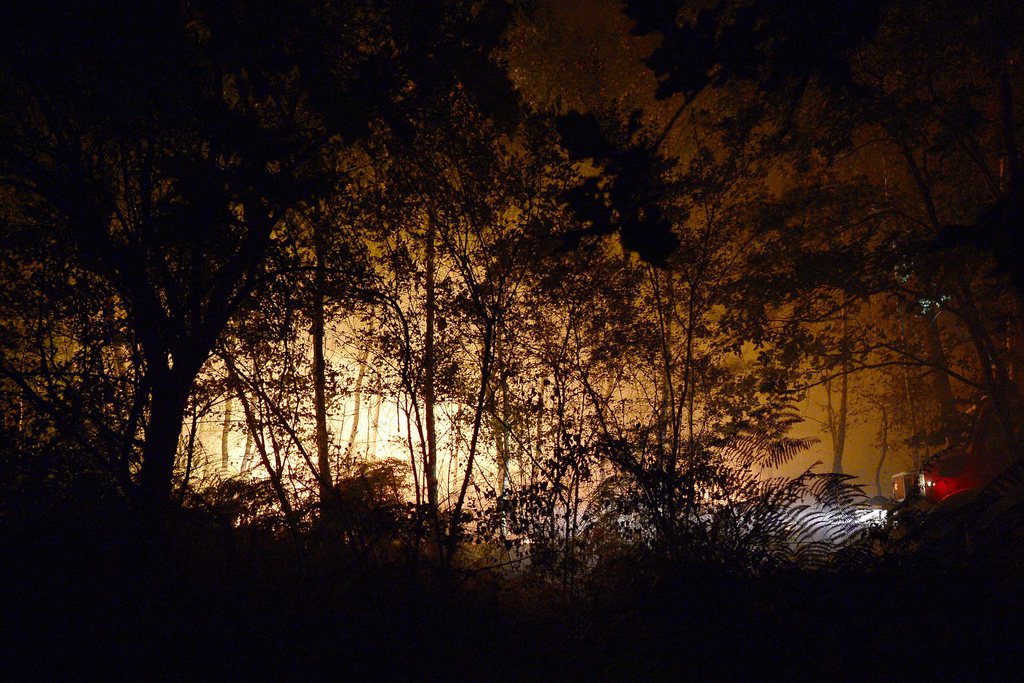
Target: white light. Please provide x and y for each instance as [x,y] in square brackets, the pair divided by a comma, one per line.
[872,516]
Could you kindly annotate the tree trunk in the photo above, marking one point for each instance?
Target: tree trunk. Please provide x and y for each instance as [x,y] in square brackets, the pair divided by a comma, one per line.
[273,473]
[357,399]
[1014,181]
[246,452]
[915,422]
[940,380]
[455,528]
[430,466]
[501,428]
[667,423]
[1001,392]
[374,435]
[320,373]
[884,439]
[225,437]
[168,399]
[500,421]
[190,447]
[837,419]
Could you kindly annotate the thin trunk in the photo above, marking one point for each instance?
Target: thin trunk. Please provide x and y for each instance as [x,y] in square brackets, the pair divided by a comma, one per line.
[689,392]
[418,520]
[940,380]
[1009,130]
[1014,335]
[246,452]
[412,458]
[884,445]
[320,372]
[539,439]
[430,464]
[915,422]
[190,449]
[225,437]
[500,426]
[840,435]
[917,175]
[670,410]
[667,422]
[371,453]
[838,419]
[357,400]
[273,473]
[481,403]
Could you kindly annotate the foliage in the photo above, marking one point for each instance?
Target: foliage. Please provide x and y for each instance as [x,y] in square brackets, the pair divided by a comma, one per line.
[276,221]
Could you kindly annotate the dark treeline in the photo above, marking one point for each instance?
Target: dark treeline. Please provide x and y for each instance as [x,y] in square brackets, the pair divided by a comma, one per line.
[369,338]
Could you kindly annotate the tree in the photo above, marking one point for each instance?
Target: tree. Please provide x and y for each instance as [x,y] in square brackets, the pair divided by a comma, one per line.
[167,175]
[164,174]
[930,147]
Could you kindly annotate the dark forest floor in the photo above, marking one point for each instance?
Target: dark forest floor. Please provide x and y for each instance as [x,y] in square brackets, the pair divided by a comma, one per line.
[81,603]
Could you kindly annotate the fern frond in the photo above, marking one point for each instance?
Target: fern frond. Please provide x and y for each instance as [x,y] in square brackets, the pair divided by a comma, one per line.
[766,441]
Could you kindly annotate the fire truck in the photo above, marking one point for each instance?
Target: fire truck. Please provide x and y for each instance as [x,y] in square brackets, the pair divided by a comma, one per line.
[959,472]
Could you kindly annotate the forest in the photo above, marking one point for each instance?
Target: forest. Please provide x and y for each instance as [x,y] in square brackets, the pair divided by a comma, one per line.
[511,339]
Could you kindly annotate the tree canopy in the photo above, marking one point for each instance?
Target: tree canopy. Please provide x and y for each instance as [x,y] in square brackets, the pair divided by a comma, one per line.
[420,290]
